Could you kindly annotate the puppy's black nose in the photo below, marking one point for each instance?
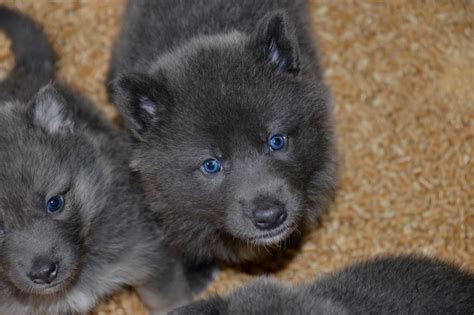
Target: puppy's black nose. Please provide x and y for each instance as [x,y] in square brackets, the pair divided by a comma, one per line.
[267,219]
[44,272]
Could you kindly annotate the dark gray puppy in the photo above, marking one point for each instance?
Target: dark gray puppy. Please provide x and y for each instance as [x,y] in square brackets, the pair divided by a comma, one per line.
[73,227]
[391,285]
[231,120]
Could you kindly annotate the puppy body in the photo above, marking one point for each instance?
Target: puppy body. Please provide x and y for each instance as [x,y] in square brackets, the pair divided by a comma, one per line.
[236,83]
[391,285]
[73,227]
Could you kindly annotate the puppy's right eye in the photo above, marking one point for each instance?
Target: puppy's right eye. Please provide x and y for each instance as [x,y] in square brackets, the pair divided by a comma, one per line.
[55,204]
[2,231]
[276,142]
[211,166]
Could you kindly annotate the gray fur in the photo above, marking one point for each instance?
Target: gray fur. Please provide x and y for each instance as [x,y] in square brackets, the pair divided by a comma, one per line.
[32,70]
[390,285]
[56,143]
[214,79]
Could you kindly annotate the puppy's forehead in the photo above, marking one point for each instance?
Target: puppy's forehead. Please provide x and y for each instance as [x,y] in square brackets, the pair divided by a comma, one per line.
[225,120]
[26,181]
[219,129]
[31,163]
[17,205]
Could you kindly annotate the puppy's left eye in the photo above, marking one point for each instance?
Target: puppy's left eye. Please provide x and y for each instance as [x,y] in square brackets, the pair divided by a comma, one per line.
[55,204]
[211,166]
[276,142]
[2,231]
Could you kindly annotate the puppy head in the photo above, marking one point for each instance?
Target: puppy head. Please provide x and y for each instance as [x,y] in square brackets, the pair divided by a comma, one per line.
[231,139]
[48,194]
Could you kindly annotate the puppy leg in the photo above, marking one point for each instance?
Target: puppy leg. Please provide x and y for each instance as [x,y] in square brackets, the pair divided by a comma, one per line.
[165,292]
[200,275]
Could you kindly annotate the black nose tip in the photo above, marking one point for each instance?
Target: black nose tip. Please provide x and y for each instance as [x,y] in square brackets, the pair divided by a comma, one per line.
[44,273]
[269,218]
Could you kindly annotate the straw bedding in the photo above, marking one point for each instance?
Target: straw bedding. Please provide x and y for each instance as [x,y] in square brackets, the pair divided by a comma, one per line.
[402,77]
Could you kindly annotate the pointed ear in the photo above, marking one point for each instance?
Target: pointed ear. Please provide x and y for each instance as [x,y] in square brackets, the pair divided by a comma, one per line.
[276,42]
[141,100]
[51,113]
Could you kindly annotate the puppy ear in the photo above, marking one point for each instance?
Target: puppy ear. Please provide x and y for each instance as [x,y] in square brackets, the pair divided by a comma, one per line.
[51,113]
[141,100]
[276,42]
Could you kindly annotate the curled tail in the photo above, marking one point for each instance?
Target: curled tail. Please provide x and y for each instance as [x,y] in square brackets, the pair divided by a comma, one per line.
[34,56]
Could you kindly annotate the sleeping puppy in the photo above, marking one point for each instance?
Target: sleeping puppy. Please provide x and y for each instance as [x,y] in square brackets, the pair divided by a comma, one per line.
[73,227]
[386,285]
[231,120]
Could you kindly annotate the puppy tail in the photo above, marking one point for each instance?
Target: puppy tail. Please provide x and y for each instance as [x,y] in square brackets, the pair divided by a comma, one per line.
[34,56]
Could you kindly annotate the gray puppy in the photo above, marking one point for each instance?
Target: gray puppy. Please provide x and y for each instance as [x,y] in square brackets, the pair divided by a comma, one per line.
[390,285]
[73,227]
[231,121]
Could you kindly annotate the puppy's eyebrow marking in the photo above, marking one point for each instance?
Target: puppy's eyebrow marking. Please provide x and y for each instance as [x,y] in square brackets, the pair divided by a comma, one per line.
[67,189]
[63,189]
[217,152]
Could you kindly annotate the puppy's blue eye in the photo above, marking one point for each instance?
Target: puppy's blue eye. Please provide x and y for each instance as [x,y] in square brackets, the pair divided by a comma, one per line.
[2,231]
[276,142]
[211,166]
[55,204]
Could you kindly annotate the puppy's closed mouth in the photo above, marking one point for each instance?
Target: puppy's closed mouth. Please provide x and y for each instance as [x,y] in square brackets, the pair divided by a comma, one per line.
[49,289]
[273,237]
[52,288]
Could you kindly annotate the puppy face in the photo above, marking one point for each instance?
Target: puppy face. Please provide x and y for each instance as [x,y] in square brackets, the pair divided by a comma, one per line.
[231,139]
[48,195]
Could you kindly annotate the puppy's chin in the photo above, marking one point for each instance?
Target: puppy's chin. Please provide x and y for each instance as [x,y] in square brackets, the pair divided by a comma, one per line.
[48,289]
[273,237]
[269,238]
